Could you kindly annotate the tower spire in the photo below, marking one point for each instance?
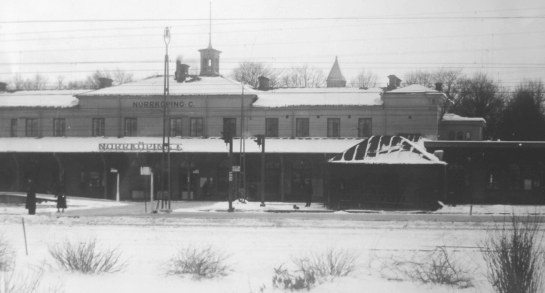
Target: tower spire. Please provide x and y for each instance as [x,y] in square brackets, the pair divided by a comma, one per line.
[335,77]
[210,57]
[210,27]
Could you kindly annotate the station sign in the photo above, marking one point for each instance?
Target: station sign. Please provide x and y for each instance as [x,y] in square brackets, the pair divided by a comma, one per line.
[138,147]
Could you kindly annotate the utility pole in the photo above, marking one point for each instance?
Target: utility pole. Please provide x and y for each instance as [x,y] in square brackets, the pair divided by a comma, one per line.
[228,139]
[242,144]
[260,140]
[165,150]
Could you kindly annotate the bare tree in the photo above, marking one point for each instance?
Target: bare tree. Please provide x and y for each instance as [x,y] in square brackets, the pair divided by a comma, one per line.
[19,82]
[77,84]
[249,72]
[364,80]
[480,96]
[60,82]
[38,82]
[448,78]
[302,77]
[121,77]
[93,81]
[420,77]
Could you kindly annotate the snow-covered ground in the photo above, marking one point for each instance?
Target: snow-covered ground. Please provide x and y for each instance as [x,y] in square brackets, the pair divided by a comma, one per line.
[255,245]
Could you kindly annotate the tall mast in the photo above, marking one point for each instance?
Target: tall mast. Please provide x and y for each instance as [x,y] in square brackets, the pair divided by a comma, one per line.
[210,27]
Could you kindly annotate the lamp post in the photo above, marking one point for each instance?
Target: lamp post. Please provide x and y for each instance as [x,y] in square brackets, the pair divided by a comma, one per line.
[165,150]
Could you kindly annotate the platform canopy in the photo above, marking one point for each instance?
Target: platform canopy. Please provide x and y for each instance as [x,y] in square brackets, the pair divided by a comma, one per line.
[385,149]
[177,145]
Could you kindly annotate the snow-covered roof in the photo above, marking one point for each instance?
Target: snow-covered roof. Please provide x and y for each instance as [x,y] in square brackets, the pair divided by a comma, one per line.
[42,98]
[414,88]
[203,85]
[318,97]
[454,117]
[386,150]
[153,144]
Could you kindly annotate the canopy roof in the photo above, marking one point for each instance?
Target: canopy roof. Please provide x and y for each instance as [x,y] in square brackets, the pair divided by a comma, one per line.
[153,145]
[386,150]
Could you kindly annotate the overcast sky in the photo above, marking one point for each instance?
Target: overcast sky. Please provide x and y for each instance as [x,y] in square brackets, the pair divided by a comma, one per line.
[73,39]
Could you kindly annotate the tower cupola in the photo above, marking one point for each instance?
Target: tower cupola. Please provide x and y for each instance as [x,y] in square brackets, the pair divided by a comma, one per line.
[210,57]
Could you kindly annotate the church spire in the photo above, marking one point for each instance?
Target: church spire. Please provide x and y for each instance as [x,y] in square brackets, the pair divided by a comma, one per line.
[335,77]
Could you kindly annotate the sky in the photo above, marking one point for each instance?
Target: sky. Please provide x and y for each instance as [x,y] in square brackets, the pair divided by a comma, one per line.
[73,39]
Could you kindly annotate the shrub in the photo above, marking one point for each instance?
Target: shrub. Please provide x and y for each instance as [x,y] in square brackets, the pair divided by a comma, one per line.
[23,283]
[285,279]
[330,264]
[308,270]
[515,257]
[200,262]
[6,255]
[86,257]
[437,267]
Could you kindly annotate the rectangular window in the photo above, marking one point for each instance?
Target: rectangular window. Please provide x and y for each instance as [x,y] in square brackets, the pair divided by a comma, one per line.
[271,127]
[175,126]
[301,127]
[130,127]
[365,127]
[98,127]
[333,127]
[59,127]
[230,126]
[196,126]
[13,128]
[31,127]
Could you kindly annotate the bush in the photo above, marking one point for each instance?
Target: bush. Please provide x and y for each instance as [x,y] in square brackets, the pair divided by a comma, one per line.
[308,270]
[515,257]
[86,257]
[436,267]
[6,255]
[285,279]
[200,262]
[23,283]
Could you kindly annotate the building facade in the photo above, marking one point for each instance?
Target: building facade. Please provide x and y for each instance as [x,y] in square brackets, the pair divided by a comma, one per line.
[87,138]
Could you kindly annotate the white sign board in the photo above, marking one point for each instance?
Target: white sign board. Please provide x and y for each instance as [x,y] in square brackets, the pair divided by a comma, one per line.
[236,169]
[145,171]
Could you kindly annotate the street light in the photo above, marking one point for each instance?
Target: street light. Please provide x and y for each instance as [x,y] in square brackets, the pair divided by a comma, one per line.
[165,150]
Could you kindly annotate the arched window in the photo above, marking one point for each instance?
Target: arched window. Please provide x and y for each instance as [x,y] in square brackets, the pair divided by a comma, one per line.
[451,135]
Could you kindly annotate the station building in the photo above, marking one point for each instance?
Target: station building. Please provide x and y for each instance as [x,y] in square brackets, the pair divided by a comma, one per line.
[89,139]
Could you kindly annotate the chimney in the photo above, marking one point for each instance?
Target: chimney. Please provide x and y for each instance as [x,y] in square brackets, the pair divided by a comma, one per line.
[182,72]
[439,86]
[393,83]
[3,86]
[104,82]
[177,73]
[264,83]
